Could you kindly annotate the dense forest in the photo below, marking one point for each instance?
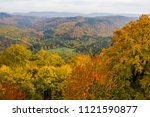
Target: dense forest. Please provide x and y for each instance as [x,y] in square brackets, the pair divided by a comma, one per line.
[74,58]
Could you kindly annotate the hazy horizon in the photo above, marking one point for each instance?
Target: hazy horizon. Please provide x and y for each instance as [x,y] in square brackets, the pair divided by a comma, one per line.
[76,6]
[67,12]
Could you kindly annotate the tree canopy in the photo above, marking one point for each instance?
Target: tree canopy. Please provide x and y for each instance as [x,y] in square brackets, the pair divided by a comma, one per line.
[121,71]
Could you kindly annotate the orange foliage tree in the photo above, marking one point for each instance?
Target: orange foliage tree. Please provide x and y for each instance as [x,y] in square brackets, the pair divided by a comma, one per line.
[88,82]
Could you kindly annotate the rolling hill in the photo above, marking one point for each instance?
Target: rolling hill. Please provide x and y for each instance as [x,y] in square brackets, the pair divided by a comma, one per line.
[78,33]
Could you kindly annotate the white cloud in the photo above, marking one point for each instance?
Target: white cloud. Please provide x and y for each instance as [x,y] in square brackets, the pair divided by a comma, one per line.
[85,6]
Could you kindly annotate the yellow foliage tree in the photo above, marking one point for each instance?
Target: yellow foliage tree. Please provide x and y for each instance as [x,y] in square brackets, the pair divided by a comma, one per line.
[128,59]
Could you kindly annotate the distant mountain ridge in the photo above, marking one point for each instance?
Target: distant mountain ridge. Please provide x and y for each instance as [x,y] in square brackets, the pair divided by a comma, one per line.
[4,15]
[49,14]
[69,14]
[69,25]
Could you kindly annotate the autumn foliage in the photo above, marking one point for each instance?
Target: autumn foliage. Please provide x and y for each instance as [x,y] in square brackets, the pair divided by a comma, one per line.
[121,71]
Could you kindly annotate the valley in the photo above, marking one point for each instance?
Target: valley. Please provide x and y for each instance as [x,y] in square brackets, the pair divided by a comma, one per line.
[71,56]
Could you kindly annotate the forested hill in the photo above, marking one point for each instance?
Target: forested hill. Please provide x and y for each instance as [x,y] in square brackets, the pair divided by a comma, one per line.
[80,34]
[99,26]
[102,25]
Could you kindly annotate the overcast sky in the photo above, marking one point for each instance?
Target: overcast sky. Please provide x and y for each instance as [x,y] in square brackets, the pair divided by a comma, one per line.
[79,6]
